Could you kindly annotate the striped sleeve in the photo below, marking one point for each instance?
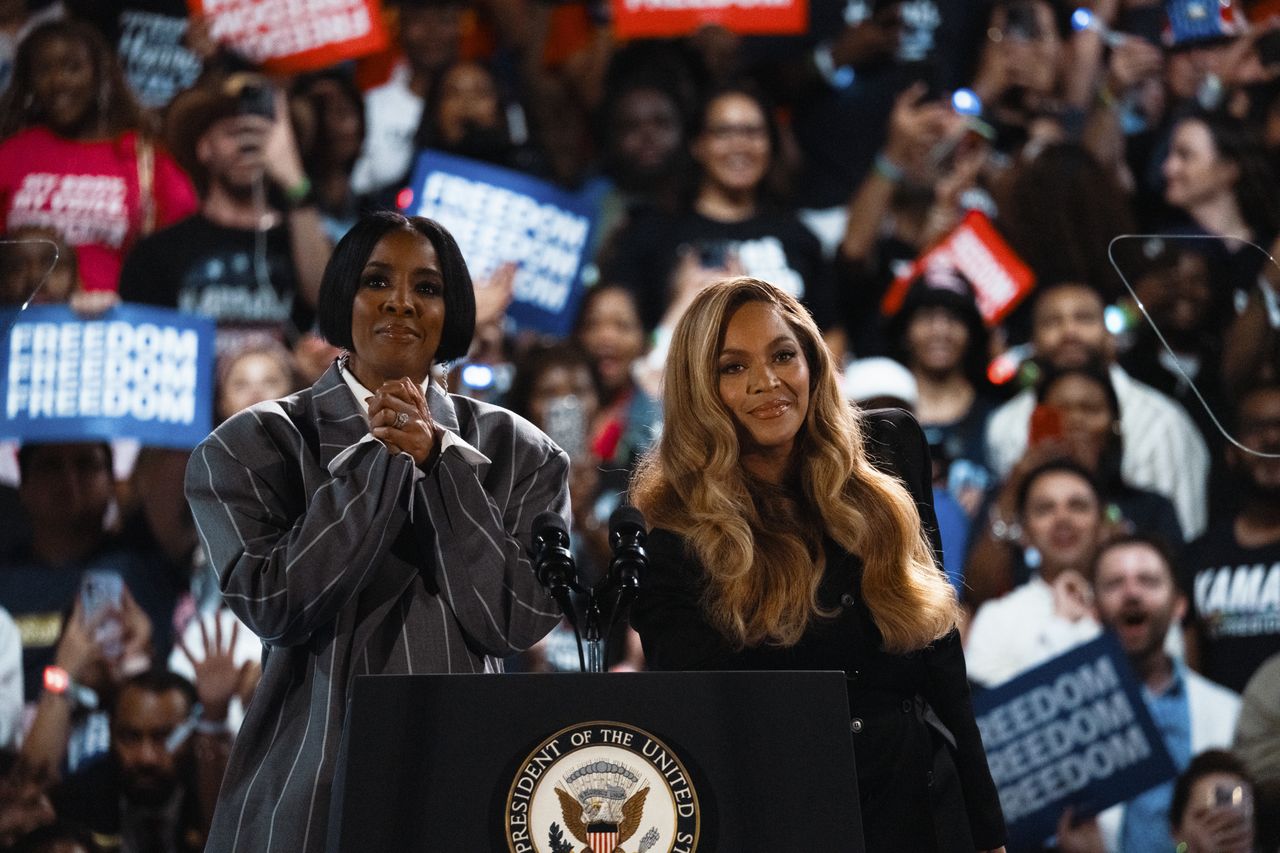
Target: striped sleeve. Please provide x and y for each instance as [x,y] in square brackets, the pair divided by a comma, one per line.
[286,565]
[482,549]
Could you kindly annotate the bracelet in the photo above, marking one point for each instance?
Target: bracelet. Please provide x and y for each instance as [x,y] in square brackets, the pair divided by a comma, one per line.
[58,682]
[887,169]
[301,194]
[213,728]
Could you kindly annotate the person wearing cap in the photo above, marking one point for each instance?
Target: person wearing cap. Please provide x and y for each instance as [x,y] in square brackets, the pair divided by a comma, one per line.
[252,257]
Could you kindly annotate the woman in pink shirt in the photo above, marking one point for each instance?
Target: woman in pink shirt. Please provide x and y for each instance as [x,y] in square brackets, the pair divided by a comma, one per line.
[76,157]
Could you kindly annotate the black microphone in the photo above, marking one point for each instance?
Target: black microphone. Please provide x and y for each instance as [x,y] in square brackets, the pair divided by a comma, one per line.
[554,567]
[627,538]
[553,562]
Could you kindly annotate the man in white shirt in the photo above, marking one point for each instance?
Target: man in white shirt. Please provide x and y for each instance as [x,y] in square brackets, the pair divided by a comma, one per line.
[430,34]
[1163,451]
[1060,513]
[1138,598]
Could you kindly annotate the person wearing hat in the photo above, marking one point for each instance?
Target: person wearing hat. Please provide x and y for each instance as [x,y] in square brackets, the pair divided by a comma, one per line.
[252,257]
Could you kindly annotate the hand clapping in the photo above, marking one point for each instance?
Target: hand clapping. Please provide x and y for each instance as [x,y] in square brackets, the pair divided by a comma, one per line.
[399,418]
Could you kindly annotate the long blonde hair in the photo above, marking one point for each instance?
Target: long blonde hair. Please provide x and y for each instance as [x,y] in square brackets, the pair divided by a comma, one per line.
[763,572]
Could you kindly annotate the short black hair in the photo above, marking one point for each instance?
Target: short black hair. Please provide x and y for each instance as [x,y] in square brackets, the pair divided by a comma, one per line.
[156,681]
[538,360]
[1150,540]
[960,304]
[1093,369]
[1055,466]
[342,279]
[1209,761]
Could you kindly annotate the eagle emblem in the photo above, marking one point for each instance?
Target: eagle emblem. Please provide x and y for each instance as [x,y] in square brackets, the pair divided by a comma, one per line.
[601,806]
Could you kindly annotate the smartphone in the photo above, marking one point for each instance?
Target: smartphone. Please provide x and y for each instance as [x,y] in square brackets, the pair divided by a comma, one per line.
[101,592]
[567,424]
[715,255]
[1046,424]
[257,98]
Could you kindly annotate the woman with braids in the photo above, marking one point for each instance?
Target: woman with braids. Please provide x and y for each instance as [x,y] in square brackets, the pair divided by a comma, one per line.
[792,531]
[76,157]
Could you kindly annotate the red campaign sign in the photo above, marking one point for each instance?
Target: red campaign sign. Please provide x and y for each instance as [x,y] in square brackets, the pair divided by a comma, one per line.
[292,36]
[665,18]
[977,251]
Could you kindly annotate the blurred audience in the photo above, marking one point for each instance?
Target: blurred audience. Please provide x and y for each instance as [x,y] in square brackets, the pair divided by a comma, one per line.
[1163,449]
[1138,599]
[78,154]
[1060,516]
[252,258]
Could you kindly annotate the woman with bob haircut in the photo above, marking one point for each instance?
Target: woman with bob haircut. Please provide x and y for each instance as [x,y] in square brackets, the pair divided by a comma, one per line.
[779,542]
[369,524]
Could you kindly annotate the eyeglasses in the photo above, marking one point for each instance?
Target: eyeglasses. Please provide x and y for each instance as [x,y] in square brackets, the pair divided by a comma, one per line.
[747,132]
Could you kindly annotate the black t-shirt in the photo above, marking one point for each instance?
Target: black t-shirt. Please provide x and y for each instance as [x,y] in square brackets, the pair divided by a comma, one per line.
[39,596]
[228,274]
[1235,597]
[772,246]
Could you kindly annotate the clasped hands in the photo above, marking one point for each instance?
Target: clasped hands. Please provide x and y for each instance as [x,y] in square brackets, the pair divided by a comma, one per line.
[400,419]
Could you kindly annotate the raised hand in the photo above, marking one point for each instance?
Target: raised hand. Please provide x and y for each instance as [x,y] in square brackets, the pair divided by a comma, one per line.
[217,677]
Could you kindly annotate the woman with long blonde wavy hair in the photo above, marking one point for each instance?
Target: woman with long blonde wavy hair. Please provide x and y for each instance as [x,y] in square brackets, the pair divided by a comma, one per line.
[792,531]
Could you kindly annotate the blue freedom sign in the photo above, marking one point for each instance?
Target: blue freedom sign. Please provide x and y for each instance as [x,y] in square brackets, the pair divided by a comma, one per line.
[1072,732]
[134,372]
[498,216]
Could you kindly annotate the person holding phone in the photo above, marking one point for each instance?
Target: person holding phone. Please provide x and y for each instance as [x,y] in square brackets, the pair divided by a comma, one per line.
[371,523]
[251,259]
[1212,809]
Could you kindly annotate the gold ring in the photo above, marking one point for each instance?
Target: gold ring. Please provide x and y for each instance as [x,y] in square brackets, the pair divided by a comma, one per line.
[401,420]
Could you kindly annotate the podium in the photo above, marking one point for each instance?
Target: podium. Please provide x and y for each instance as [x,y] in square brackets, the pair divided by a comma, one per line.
[561,763]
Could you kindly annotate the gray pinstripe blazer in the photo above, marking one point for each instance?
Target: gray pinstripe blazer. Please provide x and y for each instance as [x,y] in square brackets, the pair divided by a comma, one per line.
[303,547]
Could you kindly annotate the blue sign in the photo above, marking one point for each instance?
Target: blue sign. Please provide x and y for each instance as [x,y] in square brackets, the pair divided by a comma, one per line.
[134,372]
[498,216]
[1072,732]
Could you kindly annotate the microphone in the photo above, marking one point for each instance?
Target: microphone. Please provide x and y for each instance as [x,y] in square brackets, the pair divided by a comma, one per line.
[553,562]
[554,567]
[627,538]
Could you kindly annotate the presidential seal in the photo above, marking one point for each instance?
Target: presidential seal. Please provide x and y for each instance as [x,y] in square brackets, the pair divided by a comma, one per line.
[602,787]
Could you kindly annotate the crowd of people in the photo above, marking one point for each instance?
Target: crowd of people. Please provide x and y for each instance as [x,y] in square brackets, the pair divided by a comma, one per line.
[1104,448]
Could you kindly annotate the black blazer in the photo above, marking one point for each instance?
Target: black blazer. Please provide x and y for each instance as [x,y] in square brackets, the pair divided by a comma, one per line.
[922,772]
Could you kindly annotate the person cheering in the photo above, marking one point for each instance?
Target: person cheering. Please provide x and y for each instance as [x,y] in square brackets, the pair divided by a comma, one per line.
[369,524]
[779,544]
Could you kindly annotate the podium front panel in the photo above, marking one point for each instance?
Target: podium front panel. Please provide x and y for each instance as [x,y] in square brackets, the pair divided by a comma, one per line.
[561,763]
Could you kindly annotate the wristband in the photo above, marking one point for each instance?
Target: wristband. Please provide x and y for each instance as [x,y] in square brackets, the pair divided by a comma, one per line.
[887,169]
[213,728]
[58,682]
[837,77]
[300,194]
